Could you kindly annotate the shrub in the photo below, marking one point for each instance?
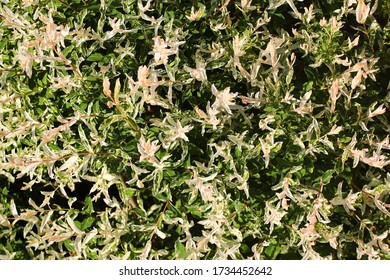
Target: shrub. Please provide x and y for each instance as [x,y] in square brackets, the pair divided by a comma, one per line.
[194,130]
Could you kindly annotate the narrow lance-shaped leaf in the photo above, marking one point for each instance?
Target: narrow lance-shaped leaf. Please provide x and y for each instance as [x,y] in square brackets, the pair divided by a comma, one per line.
[116,91]
[70,161]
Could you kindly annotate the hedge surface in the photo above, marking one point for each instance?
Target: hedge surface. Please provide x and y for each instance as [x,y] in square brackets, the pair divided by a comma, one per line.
[174,129]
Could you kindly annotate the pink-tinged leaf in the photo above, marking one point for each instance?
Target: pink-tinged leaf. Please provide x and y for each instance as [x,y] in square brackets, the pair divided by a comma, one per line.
[59,238]
[362,12]
[116,91]
[335,130]
[334,94]
[378,161]
[4,222]
[357,79]
[106,87]
[31,167]
[202,244]
[146,251]
[28,215]
[45,220]
[378,111]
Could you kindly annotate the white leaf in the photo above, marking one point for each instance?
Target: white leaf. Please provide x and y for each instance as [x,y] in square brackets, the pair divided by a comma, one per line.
[89,236]
[68,163]
[295,169]
[27,228]
[28,215]
[335,130]
[4,221]
[73,226]
[33,204]
[14,211]
[363,126]
[334,94]
[381,206]
[28,185]
[327,143]
[107,249]
[71,200]
[59,238]
[31,167]
[160,234]
[108,177]
[45,220]
[77,244]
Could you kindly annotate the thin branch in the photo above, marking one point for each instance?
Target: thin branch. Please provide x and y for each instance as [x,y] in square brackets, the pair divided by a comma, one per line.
[371,196]
[224,5]
[63,58]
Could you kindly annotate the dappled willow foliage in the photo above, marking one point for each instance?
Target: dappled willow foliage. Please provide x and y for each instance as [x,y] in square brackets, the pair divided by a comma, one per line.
[174,129]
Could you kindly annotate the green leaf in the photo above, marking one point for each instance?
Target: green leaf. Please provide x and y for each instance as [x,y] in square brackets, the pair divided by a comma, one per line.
[95,57]
[327,176]
[88,206]
[96,107]
[309,86]
[129,192]
[245,249]
[69,245]
[272,251]
[78,224]
[88,222]
[67,50]
[180,250]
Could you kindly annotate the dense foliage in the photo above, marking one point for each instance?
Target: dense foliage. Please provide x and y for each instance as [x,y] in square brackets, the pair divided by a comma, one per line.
[177,129]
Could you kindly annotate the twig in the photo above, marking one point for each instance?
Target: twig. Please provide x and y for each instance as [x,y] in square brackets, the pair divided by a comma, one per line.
[371,196]
[63,58]
[224,5]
